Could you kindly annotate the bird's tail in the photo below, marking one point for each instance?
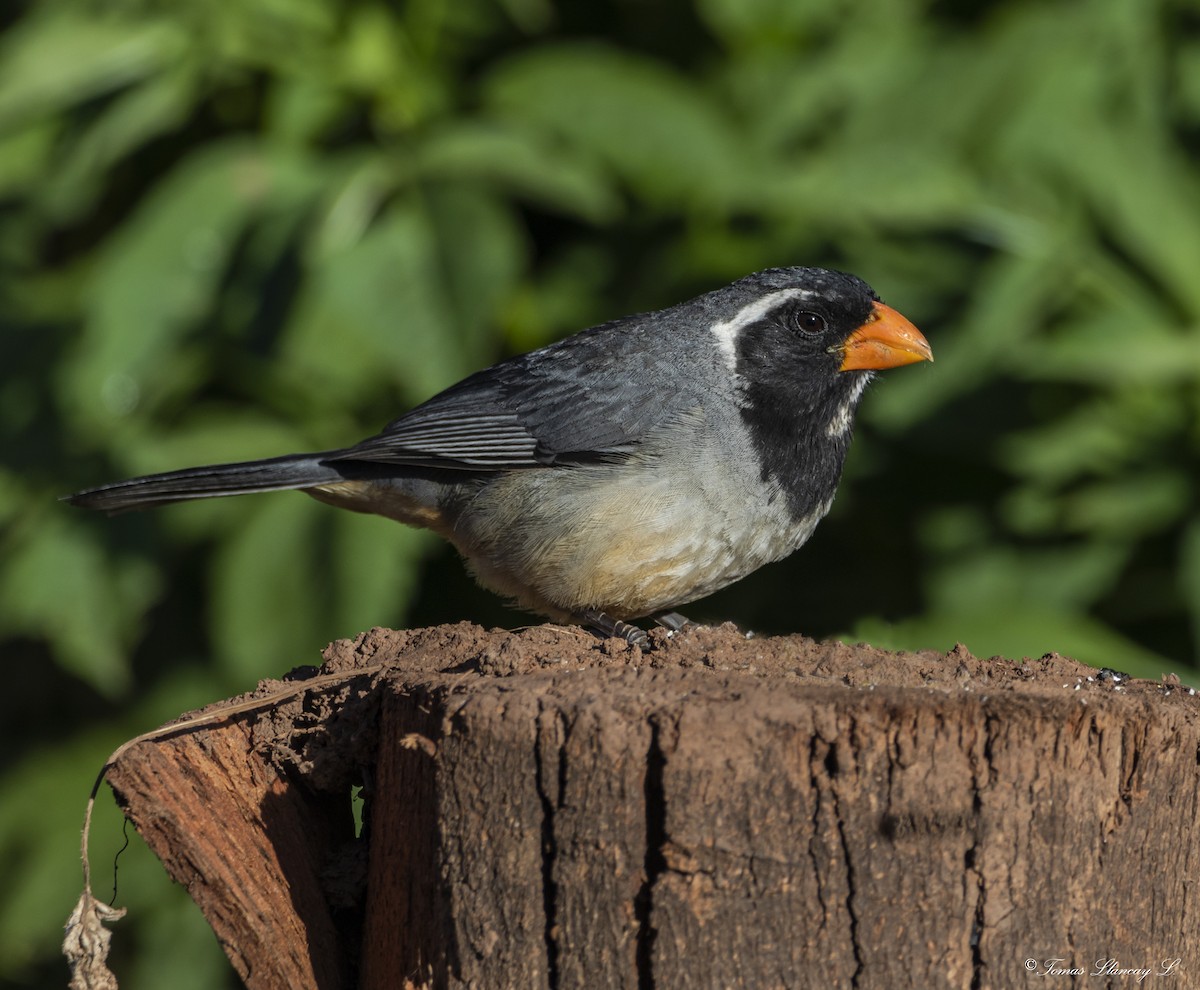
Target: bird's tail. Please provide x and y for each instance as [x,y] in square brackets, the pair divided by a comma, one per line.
[273,475]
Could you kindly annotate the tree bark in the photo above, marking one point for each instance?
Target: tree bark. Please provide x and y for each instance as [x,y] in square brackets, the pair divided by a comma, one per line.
[546,810]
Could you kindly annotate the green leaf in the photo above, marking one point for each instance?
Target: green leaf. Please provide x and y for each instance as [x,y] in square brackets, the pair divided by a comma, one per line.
[1189,581]
[212,434]
[483,254]
[25,152]
[769,23]
[42,801]
[1100,438]
[270,597]
[1152,217]
[301,109]
[375,310]
[515,161]
[376,563]
[52,61]
[128,121]
[58,583]
[1008,306]
[1131,507]
[161,275]
[1068,577]
[655,129]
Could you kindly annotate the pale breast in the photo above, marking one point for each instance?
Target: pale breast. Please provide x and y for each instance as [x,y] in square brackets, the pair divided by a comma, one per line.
[630,539]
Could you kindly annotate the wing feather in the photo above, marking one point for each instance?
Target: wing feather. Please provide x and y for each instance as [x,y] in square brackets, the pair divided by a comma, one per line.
[594,396]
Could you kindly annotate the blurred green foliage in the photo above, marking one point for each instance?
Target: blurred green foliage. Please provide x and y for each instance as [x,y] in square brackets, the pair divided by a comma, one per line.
[237,230]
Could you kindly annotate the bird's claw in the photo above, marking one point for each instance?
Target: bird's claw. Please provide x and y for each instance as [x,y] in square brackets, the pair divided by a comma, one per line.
[605,625]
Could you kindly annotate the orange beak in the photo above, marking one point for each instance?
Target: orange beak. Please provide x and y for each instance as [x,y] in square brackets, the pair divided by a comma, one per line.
[886,340]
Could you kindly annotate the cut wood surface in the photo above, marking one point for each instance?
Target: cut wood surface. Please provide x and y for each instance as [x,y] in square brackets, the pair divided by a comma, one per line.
[543,809]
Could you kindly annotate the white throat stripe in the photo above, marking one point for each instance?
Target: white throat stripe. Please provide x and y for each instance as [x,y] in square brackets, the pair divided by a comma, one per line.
[727,331]
[839,426]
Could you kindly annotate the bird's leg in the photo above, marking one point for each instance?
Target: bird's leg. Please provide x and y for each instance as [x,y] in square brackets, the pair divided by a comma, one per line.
[606,625]
[675,622]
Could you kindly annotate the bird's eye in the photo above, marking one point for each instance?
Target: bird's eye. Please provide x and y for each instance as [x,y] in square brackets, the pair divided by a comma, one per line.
[809,323]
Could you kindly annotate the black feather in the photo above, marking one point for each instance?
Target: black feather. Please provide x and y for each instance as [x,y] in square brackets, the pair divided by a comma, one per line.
[273,475]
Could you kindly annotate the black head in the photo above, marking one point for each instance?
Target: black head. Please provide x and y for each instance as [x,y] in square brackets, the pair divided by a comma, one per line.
[785,325]
[801,344]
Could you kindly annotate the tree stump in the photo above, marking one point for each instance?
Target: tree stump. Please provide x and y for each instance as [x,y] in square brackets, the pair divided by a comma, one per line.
[543,809]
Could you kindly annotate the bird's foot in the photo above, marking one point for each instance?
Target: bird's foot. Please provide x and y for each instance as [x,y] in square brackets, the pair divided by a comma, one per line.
[605,625]
[674,622]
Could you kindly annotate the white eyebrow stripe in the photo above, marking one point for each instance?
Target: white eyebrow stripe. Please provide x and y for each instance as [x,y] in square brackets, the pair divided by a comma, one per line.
[727,331]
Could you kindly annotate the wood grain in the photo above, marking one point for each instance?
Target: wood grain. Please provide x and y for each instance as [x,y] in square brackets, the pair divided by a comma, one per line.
[544,810]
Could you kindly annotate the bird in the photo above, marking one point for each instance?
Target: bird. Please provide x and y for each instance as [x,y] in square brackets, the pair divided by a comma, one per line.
[622,472]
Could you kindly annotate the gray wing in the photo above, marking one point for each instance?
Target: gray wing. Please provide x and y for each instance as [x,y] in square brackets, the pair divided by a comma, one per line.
[594,396]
